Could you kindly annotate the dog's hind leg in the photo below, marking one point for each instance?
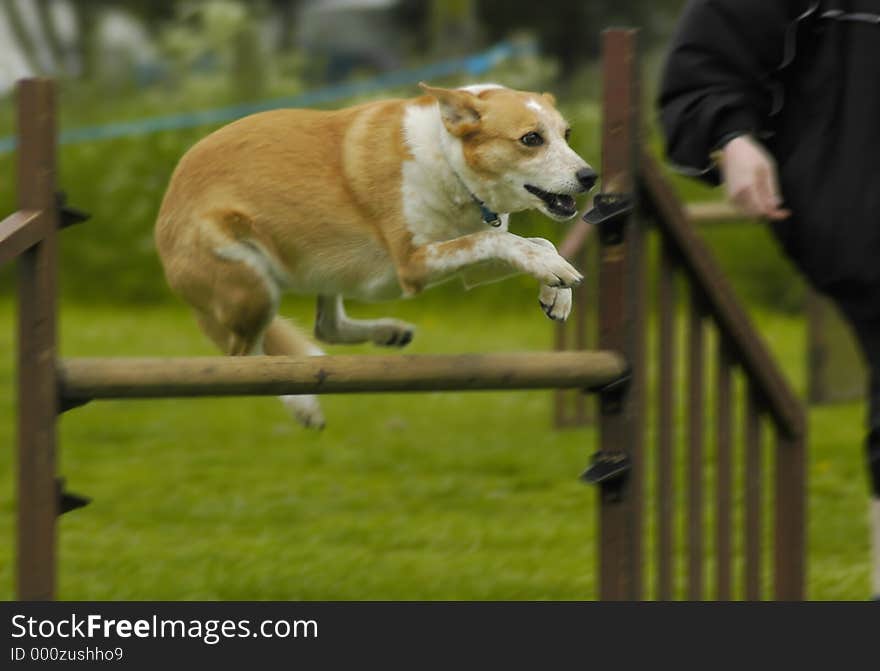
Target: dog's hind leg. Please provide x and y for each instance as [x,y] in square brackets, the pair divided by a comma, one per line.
[333,326]
[236,300]
[229,342]
[279,338]
[282,338]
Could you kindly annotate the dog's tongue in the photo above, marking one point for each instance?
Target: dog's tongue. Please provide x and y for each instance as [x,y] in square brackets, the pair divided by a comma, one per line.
[564,202]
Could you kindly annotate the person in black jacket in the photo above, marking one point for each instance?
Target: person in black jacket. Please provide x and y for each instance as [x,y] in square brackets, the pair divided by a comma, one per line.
[779,100]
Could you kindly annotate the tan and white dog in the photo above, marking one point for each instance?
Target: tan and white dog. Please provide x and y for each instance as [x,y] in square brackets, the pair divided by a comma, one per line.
[370,202]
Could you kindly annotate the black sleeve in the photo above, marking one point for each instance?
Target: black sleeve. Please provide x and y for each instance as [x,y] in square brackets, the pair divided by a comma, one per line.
[718,76]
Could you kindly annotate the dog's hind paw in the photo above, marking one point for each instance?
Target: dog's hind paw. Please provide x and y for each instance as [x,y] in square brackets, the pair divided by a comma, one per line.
[556,302]
[392,333]
[306,409]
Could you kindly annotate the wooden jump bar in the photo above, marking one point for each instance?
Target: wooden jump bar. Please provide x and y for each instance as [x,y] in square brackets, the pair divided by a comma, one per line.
[714,212]
[99,378]
[19,232]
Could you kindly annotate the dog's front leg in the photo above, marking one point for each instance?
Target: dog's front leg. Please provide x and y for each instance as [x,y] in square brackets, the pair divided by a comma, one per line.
[556,302]
[435,262]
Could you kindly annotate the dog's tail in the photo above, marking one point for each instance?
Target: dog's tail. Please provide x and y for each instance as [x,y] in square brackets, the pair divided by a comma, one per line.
[283,338]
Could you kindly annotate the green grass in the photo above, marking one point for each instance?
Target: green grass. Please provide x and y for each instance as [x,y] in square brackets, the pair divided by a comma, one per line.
[426,496]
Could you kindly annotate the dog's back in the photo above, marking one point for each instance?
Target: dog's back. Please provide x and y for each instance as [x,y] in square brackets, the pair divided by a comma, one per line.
[305,187]
[282,169]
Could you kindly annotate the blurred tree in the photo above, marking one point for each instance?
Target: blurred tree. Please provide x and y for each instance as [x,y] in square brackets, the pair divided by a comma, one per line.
[46,17]
[88,13]
[453,27]
[285,12]
[88,16]
[218,36]
[569,30]
[23,38]
[153,13]
[249,76]
[411,19]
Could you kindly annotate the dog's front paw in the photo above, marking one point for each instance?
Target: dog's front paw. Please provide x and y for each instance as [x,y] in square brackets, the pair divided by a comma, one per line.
[556,302]
[392,333]
[306,409]
[549,268]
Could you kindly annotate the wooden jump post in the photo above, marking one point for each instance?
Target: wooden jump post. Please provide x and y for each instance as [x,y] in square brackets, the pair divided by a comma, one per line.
[33,232]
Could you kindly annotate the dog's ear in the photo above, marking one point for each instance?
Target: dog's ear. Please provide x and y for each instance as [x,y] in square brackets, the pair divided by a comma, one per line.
[550,98]
[459,109]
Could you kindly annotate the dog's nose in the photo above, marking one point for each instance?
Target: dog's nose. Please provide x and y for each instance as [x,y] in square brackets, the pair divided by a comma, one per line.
[587,177]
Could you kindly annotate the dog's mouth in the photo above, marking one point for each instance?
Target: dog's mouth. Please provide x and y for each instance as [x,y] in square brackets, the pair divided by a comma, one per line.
[561,205]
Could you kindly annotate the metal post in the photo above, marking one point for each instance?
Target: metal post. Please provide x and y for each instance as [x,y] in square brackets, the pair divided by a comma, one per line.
[621,327]
[37,385]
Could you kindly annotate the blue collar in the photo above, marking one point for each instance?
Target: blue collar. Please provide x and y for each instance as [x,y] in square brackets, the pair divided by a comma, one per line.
[489,217]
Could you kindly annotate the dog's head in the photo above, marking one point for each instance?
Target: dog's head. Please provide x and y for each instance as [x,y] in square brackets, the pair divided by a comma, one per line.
[511,148]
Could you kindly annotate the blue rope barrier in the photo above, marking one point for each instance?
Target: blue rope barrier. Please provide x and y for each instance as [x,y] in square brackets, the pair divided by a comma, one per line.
[474,64]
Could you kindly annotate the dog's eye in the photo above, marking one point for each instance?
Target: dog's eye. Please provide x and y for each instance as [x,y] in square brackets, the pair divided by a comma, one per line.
[567,134]
[532,139]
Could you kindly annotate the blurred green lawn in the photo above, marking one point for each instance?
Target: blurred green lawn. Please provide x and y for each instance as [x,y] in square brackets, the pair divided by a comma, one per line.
[426,496]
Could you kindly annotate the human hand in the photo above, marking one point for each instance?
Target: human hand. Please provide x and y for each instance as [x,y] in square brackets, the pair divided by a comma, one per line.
[751,179]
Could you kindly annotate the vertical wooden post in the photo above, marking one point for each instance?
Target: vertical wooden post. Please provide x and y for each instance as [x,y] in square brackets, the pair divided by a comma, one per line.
[790,519]
[696,395]
[621,328]
[754,496]
[667,306]
[37,385]
[724,470]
